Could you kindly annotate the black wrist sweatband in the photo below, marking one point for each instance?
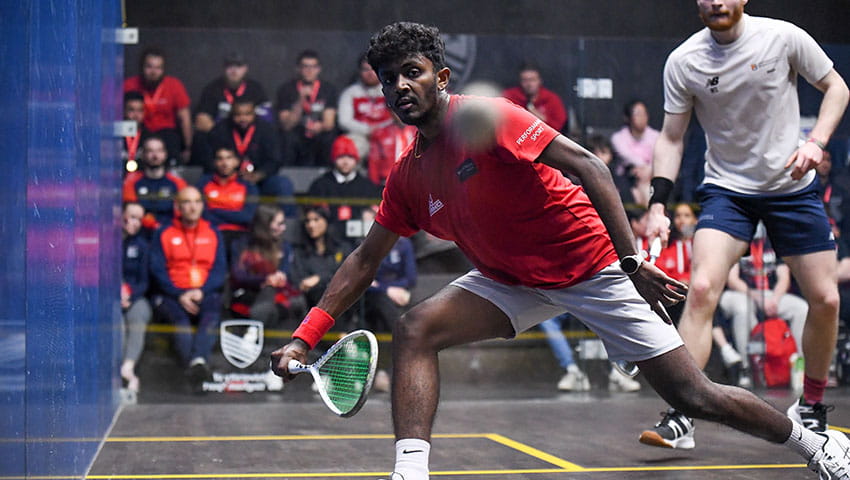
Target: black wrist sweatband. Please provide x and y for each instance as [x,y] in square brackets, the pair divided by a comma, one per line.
[660,189]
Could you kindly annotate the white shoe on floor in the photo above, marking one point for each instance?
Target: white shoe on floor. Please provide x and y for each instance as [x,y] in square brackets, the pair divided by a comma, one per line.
[381,383]
[574,381]
[617,382]
[832,461]
[730,355]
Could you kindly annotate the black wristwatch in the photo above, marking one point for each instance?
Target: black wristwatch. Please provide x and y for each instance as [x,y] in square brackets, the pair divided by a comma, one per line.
[630,265]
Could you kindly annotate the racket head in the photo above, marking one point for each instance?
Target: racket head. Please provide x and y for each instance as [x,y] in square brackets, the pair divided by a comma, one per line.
[344,374]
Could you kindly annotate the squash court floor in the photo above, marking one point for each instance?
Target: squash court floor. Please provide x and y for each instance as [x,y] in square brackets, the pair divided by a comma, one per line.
[499,427]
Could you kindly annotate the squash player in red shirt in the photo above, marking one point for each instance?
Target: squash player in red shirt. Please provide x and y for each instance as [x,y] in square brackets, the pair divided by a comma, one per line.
[540,244]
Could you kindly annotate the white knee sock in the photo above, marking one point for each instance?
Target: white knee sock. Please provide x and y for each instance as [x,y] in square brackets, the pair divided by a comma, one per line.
[804,441]
[411,458]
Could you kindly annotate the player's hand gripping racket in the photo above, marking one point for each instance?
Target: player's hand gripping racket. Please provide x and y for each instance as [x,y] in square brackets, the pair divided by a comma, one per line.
[629,369]
[344,374]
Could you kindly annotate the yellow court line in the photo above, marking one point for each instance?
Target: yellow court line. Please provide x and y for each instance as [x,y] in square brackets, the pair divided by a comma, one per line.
[255,438]
[533,452]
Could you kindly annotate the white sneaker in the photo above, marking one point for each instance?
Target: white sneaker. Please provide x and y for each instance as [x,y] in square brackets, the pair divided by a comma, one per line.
[574,381]
[730,355]
[381,383]
[273,382]
[832,461]
[617,382]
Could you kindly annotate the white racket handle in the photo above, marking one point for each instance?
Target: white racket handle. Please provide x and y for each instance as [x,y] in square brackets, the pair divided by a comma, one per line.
[655,249]
[297,367]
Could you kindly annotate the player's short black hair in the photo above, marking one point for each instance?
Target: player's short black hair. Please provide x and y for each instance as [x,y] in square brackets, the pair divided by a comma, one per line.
[307,54]
[403,39]
[133,95]
[152,51]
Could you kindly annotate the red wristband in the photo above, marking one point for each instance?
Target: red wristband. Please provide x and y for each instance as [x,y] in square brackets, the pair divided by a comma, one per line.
[314,326]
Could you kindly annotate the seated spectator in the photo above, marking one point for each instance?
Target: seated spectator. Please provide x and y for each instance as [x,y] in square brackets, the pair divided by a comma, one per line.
[134,111]
[255,143]
[385,147]
[306,109]
[166,104]
[135,307]
[601,147]
[757,288]
[343,185]
[844,282]
[537,99]
[634,143]
[153,186]
[230,202]
[675,258]
[389,295]
[260,274]
[317,258]
[218,96]
[188,264]
[573,380]
[362,108]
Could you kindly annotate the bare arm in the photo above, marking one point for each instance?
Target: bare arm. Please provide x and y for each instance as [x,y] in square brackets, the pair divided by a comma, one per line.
[357,271]
[835,97]
[348,283]
[666,160]
[734,281]
[328,119]
[290,118]
[184,116]
[595,177]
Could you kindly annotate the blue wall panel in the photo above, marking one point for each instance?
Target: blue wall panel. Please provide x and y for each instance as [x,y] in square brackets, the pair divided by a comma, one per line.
[59,315]
[14,28]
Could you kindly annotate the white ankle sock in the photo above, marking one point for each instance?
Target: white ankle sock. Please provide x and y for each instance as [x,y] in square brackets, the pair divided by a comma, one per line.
[411,458]
[804,441]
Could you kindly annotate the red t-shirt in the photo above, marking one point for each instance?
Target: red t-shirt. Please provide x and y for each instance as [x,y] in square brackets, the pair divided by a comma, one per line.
[548,103]
[675,260]
[162,103]
[520,222]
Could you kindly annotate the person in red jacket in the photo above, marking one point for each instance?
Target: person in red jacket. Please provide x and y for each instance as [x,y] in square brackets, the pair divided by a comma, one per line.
[531,95]
[230,201]
[188,264]
[166,104]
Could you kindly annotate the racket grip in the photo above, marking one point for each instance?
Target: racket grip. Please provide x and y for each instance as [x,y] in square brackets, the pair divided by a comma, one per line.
[655,250]
[297,367]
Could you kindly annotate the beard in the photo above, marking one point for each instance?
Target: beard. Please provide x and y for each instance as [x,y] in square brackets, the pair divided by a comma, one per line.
[722,23]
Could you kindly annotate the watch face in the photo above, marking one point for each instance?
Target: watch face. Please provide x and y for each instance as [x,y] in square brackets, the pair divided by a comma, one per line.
[629,265]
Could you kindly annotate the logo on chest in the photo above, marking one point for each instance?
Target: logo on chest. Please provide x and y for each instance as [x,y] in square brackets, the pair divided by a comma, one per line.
[434,206]
[466,170]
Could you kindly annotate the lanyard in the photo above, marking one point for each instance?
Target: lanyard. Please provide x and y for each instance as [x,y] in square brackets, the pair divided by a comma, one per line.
[242,143]
[190,247]
[133,145]
[239,92]
[315,93]
[152,101]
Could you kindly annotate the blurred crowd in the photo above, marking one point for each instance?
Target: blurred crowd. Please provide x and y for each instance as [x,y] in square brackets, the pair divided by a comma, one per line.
[240,240]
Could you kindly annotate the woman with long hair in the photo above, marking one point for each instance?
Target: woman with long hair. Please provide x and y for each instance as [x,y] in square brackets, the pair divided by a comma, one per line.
[260,273]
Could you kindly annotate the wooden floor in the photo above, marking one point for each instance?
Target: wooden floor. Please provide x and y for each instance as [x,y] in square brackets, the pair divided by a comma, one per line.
[506,429]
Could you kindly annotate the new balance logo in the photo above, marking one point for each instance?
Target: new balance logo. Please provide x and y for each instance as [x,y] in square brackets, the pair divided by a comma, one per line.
[434,206]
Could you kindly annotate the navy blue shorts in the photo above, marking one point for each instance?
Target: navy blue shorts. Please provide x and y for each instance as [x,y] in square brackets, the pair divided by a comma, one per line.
[796,223]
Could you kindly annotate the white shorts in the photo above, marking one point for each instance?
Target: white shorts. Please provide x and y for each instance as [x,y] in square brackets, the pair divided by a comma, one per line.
[608,303]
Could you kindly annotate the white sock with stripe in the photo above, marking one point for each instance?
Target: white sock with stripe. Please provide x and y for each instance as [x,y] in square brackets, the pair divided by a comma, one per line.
[804,441]
[411,459]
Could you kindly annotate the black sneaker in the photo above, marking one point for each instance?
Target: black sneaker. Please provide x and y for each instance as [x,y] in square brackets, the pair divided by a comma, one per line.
[810,416]
[675,430]
[197,374]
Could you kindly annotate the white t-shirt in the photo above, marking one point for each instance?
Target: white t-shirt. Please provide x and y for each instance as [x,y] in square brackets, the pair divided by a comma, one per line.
[745,96]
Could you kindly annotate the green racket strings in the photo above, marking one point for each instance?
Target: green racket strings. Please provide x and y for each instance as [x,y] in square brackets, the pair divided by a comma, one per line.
[345,373]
